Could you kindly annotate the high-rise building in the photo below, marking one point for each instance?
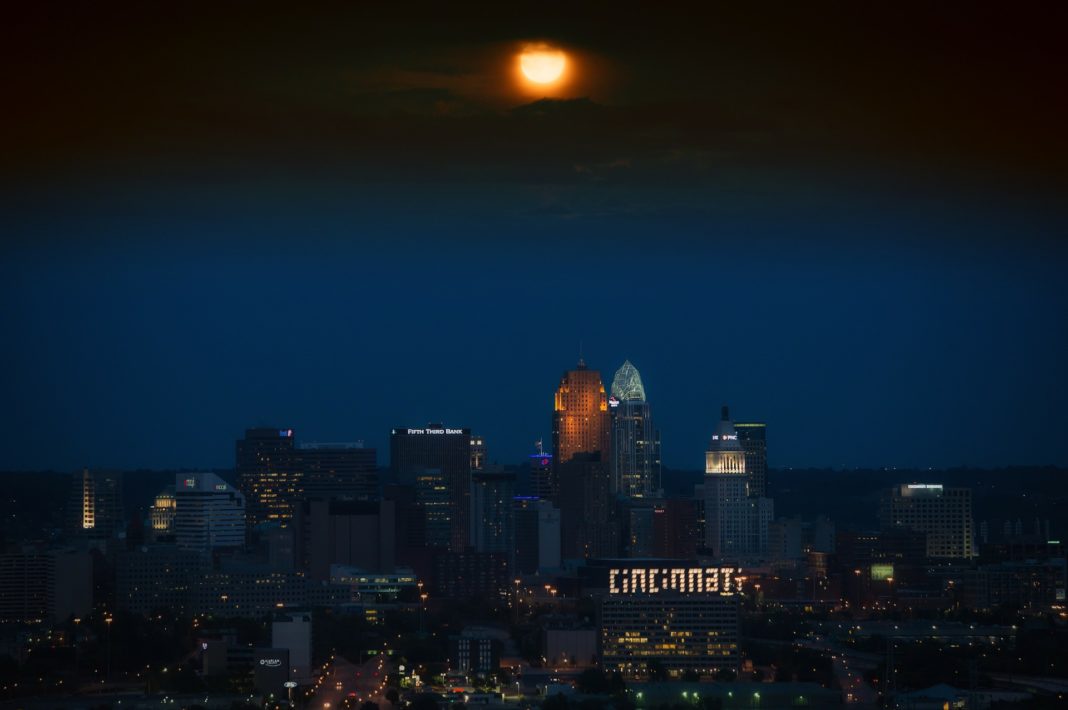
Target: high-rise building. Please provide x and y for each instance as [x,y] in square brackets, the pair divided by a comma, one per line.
[635,442]
[754,441]
[478,452]
[543,482]
[493,513]
[735,524]
[447,450]
[266,476]
[209,513]
[537,535]
[945,514]
[589,517]
[39,585]
[94,510]
[581,423]
[275,473]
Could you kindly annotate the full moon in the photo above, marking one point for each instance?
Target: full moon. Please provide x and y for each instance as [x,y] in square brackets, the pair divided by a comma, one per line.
[542,66]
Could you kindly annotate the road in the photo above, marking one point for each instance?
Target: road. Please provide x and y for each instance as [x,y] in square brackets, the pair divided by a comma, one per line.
[361,683]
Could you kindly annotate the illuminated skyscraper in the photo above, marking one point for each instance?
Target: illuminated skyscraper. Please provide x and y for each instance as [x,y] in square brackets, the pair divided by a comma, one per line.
[447,451]
[735,524]
[95,507]
[753,437]
[265,474]
[635,446]
[581,422]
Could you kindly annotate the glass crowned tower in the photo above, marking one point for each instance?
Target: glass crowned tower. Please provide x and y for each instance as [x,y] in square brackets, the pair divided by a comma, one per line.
[635,449]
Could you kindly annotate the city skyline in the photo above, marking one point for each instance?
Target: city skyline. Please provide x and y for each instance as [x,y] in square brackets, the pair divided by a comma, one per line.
[500,356]
[378,438]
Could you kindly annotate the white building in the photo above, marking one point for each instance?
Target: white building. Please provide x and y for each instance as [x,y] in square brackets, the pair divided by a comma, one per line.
[736,525]
[209,513]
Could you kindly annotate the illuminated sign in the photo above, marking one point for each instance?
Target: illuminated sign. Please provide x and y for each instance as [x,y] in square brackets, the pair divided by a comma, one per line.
[725,437]
[220,486]
[926,486]
[613,402]
[289,684]
[271,662]
[190,483]
[285,433]
[882,572]
[435,431]
[679,580]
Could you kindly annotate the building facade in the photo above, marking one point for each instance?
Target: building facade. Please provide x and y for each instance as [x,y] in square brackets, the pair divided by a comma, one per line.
[94,510]
[493,513]
[635,441]
[684,617]
[753,437]
[581,423]
[448,451]
[735,523]
[209,513]
[944,514]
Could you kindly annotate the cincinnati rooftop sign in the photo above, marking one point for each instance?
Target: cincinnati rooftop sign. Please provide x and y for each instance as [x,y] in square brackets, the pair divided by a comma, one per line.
[674,580]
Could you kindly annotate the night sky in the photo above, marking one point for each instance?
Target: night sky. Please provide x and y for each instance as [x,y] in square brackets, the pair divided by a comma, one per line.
[845,220]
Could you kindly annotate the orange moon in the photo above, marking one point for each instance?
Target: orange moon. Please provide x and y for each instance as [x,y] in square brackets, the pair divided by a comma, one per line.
[543,66]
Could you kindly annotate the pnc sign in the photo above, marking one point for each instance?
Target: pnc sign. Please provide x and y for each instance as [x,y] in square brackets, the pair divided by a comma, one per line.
[674,580]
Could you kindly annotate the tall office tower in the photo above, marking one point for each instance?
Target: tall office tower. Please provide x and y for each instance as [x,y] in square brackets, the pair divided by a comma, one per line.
[735,525]
[543,482]
[580,416]
[208,513]
[537,535]
[945,514]
[525,512]
[94,510]
[162,513]
[339,470]
[265,475]
[589,520]
[446,450]
[478,452]
[493,514]
[635,443]
[753,437]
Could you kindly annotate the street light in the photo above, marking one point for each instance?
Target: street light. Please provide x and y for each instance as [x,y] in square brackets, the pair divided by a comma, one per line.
[107,621]
[422,606]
